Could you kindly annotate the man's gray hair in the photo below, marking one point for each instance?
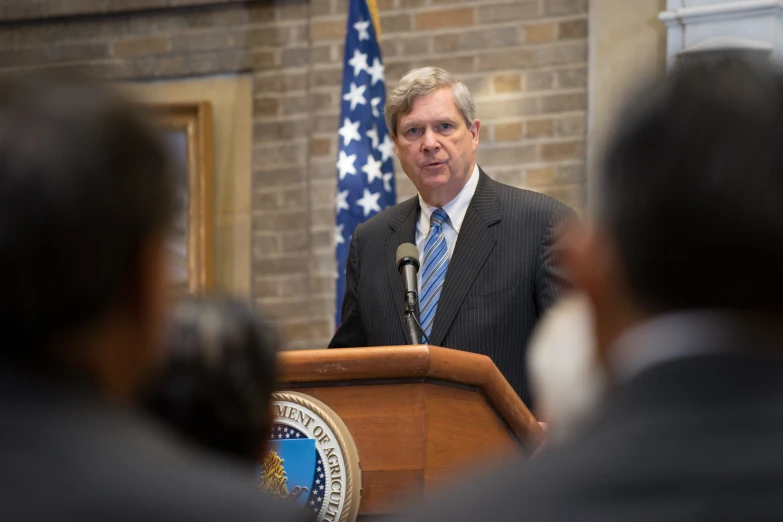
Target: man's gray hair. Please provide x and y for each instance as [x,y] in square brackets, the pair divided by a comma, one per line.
[421,82]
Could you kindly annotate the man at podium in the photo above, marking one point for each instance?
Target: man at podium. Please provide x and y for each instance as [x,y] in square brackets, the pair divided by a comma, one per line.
[488,253]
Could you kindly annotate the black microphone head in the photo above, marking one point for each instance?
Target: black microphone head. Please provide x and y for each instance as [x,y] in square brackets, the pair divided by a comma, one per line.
[407,253]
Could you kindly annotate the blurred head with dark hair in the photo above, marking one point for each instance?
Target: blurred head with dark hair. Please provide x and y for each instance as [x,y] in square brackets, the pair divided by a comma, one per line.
[85,204]
[221,370]
[690,200]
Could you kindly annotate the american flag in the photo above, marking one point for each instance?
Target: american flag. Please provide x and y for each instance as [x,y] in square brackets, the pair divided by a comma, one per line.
[365,173]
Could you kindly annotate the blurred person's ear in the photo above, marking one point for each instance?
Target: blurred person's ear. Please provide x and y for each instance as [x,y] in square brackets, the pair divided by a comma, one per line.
[147,304]
[597,273]
[122,348]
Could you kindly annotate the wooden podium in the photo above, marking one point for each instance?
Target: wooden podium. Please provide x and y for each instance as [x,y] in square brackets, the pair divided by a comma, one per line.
[421,416]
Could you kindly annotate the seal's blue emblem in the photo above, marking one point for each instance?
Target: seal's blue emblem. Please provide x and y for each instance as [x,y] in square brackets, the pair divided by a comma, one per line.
[290,468]
[311,461]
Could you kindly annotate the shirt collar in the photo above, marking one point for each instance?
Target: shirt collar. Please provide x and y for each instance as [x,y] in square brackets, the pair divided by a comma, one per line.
[457,207]
[675,336]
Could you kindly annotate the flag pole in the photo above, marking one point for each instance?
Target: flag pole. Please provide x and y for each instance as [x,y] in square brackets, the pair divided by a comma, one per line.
[372,5]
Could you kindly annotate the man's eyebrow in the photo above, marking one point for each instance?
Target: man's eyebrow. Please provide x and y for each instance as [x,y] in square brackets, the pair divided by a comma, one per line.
[417,123]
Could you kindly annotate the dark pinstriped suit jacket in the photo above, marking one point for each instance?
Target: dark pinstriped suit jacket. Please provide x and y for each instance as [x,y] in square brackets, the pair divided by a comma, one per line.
[504,272]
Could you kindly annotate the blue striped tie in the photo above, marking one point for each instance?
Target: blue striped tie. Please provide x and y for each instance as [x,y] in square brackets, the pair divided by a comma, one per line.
[435,264]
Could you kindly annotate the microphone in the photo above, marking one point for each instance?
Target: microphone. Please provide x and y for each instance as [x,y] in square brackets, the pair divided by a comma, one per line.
[408,266]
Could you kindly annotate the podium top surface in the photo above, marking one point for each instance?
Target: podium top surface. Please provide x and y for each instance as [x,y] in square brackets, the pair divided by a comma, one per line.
[413,362]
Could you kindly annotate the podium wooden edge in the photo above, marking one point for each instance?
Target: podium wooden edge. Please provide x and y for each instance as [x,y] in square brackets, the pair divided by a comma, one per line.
[415,361]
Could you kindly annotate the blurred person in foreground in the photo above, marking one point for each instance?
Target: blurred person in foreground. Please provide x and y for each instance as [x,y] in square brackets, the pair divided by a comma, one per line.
[220,372]
[683,271]
[85,204]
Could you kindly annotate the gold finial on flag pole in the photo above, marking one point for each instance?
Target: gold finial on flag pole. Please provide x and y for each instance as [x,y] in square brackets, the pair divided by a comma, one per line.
[376,19]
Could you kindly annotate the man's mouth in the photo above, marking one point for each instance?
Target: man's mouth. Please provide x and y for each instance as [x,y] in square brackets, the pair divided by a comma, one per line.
[433,164]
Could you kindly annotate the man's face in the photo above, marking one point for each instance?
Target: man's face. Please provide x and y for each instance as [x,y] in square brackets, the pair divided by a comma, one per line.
[436,148]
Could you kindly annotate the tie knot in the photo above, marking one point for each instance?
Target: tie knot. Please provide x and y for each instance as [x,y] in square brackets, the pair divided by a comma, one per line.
[438,217]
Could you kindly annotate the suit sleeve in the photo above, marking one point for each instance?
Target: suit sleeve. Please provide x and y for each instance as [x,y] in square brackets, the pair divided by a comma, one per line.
[350,333]
[552,278]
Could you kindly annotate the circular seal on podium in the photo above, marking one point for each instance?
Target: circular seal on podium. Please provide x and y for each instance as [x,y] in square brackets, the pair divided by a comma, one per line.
[311,459]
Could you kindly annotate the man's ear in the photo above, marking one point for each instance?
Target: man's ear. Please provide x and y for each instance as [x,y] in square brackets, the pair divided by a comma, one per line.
[597,271]
[475,131]
[396,144]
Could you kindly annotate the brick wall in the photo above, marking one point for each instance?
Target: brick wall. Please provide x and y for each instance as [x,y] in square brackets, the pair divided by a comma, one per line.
[524,61]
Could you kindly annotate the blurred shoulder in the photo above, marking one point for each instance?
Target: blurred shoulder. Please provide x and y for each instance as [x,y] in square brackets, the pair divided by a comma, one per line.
[128,468]
[532,489]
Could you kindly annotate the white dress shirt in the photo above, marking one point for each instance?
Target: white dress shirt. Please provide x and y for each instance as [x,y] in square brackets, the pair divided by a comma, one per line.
[455,209]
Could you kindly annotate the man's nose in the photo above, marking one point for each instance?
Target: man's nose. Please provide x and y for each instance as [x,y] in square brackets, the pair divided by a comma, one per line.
[429,141]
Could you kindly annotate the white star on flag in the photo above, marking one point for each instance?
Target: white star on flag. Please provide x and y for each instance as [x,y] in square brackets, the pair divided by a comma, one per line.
[356,96]
[369,202]
[341,200]
[338,234]
[372,168]
[374,102]
[373,135]
[349,131]
[361,27]
[376,71]
[386,148]
[387,181]
[358,62]
[345,164]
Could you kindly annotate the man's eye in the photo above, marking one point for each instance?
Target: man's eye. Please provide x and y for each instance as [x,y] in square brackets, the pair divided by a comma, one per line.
[412,132]
[446,126]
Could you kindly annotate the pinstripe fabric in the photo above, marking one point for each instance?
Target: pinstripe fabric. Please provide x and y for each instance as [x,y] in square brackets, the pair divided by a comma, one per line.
[505,271]
[433,265]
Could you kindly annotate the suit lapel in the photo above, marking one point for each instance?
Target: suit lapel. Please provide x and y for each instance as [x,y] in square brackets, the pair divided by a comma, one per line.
[475,241]
[403,225]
